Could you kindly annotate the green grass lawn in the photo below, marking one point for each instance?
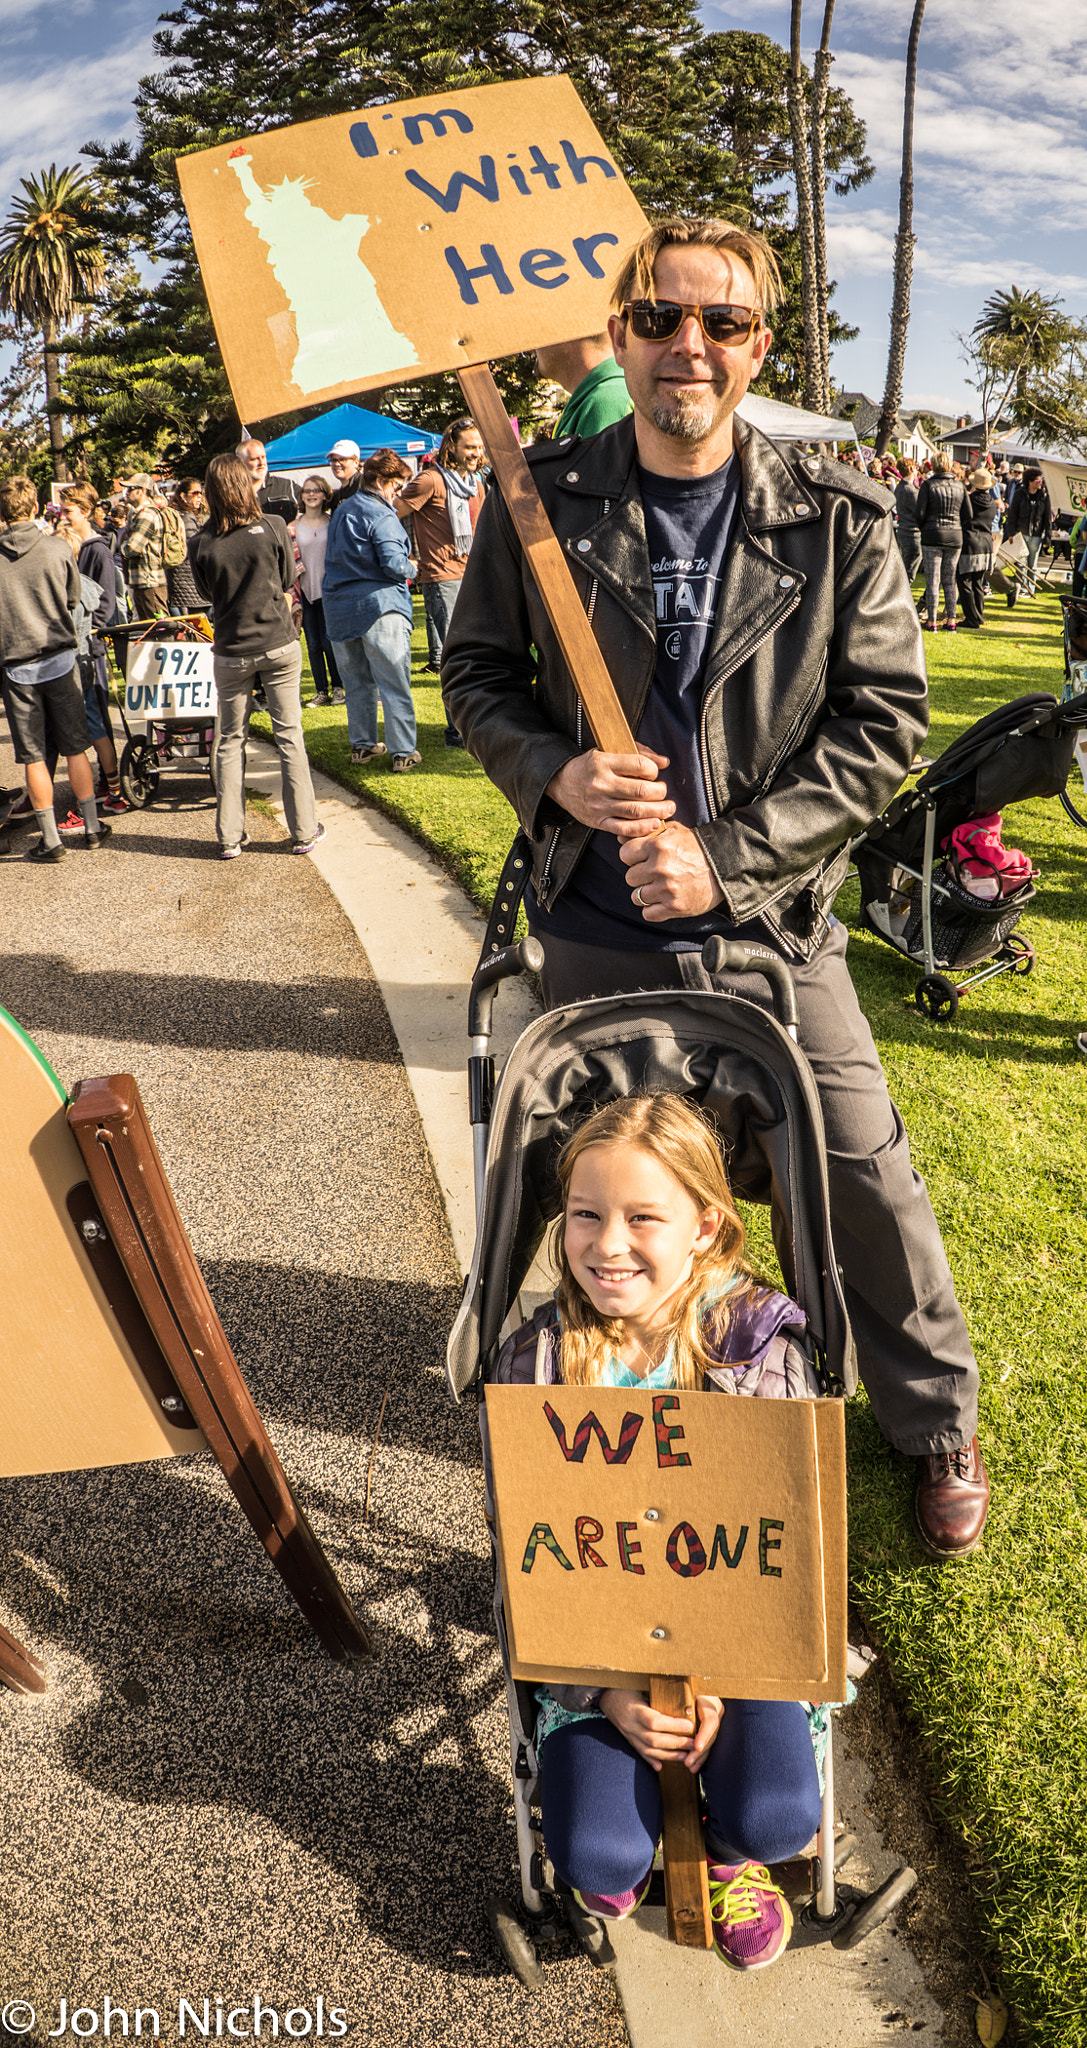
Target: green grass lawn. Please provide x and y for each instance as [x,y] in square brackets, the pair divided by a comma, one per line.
[990,1656]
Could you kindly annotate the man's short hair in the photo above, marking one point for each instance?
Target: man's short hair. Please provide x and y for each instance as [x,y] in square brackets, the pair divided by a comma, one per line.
[240,450]
[18,500]
[83,496]
[635,279]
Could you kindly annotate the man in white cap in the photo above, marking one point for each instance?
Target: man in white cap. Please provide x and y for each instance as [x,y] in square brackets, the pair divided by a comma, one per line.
[345,462]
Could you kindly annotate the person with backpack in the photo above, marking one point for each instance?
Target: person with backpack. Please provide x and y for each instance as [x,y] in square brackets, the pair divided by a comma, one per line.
[142,547]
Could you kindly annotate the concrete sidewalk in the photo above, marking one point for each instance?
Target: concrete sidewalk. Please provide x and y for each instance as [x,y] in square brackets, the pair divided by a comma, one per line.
[203,1805]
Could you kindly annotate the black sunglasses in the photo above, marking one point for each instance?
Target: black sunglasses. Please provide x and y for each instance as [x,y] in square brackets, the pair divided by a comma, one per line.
[661,320]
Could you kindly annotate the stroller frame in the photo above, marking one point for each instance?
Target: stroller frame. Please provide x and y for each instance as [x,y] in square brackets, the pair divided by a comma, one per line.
[1022,750]
[834,1912]
[185,744]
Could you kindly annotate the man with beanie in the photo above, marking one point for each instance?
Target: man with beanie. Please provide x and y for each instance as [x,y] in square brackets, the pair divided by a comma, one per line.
[39,590]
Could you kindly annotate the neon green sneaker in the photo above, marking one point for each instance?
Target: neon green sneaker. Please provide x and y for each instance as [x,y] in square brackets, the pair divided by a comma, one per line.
[751,1918]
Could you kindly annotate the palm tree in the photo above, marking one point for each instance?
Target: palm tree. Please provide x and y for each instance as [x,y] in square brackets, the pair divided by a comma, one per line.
[797,102]
[820,90]
[51,259]
[904,241]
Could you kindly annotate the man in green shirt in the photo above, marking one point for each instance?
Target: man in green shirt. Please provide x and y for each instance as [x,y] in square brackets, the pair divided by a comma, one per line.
[598,391]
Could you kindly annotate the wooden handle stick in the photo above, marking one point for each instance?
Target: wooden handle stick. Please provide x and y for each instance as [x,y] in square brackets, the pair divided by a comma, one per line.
[686,1884]
[548,563]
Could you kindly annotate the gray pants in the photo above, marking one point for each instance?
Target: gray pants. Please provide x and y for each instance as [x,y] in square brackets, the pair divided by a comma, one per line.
[909,547]
[280,671]
[939,566]
[913,1352]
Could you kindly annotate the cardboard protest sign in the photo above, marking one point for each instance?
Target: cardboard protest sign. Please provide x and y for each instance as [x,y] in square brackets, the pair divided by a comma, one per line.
[357,251]
[646,1533]
[170,679]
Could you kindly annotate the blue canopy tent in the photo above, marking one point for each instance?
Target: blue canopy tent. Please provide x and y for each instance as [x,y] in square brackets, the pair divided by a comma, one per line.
[307,447]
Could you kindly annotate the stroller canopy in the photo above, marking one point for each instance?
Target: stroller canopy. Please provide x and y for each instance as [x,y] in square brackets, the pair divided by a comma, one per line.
[725,1053]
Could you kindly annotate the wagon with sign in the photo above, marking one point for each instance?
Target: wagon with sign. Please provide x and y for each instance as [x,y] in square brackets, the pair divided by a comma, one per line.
[170,688]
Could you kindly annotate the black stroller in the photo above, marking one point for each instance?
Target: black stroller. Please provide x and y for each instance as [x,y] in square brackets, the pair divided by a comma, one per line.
[743,1064]
[911,896]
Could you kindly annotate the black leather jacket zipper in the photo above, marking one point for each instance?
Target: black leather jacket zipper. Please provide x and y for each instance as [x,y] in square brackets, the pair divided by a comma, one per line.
[718,686]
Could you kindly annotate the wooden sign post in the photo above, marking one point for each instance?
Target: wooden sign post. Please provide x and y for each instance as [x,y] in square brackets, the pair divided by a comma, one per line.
[673,1544]
[370,249]
[96,1267]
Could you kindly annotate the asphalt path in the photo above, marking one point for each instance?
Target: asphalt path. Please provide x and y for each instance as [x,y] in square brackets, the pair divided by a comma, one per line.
[203,1806]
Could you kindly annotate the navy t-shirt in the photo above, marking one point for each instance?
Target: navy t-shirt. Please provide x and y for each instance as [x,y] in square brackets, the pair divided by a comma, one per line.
[688,522]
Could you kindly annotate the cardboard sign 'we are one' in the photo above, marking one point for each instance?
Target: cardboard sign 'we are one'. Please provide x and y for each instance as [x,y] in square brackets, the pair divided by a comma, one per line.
[672,1533]
[366,249]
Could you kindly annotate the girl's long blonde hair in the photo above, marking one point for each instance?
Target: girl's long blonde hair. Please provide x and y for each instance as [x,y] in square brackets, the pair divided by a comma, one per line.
[681,1140]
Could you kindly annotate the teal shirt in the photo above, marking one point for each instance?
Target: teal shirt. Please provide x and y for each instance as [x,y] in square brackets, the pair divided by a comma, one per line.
[601,398]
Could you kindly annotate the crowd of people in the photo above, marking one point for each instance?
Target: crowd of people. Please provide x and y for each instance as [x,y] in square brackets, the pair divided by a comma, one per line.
[267,562]
[950,519]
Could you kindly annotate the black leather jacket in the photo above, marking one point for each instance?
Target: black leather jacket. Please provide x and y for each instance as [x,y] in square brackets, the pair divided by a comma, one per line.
[814,698]
[943,509]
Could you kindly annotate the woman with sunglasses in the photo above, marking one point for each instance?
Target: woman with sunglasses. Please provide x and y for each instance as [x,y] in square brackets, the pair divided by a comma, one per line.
[310,535]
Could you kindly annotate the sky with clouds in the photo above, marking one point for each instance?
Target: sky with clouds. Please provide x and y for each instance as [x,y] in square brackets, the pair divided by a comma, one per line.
[1000,152]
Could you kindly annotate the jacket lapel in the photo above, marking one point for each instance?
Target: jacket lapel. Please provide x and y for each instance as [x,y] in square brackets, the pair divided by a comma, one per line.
[757,589]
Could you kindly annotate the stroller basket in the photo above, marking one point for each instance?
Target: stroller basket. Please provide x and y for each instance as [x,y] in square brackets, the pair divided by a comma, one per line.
[966,929]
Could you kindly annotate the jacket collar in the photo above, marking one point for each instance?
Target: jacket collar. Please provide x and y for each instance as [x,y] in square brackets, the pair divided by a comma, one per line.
[772,494]
[758,589]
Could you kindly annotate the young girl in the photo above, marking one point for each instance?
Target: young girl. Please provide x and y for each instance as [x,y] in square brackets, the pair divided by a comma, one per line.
[655,1292]
[310,535]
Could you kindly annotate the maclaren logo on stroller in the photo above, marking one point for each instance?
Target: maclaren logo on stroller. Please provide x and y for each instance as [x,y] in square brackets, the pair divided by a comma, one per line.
[659,1532]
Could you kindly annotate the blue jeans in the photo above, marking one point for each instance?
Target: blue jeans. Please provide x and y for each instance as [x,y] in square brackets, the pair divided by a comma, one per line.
[602,1804]
[438,602]
[1033,543]
[378,664]
[322,661]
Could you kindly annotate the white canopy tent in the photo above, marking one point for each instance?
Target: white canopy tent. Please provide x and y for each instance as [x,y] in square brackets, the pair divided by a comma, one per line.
[791,423]
[1065,475]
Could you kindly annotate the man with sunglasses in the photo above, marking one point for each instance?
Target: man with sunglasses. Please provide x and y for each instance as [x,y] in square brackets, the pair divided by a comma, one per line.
[754,615]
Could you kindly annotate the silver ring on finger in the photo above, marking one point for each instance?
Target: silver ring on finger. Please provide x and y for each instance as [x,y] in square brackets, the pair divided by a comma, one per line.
[637,898]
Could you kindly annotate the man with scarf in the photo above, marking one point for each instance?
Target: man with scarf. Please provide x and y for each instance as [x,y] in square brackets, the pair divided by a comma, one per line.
[444,502]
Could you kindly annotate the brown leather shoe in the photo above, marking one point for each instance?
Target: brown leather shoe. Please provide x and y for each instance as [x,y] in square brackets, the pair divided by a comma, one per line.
[951,1501]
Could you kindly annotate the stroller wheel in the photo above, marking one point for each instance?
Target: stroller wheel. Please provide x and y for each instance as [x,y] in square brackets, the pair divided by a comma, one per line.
[1019,953]
[514,1942]
[937,997]
[139,772]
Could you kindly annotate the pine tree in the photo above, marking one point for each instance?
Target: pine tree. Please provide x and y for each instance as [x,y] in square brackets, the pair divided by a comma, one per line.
[749,117]
[656,86]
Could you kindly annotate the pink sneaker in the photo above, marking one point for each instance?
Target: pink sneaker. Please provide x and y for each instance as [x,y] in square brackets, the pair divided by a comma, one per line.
[616,1906]
[752,1921]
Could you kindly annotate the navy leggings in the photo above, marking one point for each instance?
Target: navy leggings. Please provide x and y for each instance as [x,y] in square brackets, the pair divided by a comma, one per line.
[601,1802]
